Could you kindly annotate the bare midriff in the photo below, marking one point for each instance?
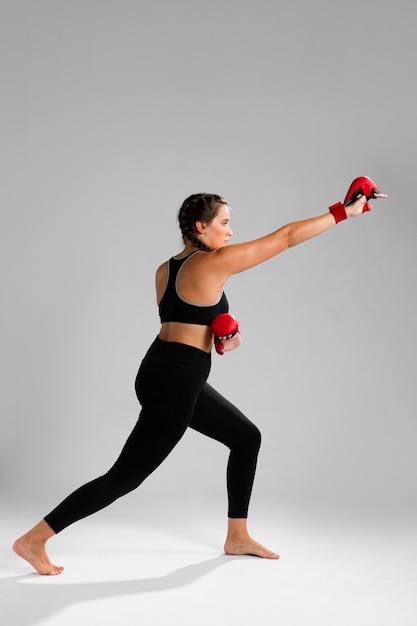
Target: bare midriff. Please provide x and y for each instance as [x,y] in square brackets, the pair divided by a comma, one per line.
[194,335]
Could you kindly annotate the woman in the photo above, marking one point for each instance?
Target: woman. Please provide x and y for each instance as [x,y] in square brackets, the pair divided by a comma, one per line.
[171,383]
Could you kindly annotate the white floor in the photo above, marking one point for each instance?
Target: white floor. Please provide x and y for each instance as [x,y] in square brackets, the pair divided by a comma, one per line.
[169,570]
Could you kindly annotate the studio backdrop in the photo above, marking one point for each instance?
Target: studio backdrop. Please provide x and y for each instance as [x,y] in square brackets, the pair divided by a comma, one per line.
[114,112]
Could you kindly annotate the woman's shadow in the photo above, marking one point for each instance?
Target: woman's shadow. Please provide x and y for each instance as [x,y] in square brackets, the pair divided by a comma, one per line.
[25,604]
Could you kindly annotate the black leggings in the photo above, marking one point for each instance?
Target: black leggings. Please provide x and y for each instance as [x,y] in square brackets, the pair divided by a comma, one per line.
[172,389]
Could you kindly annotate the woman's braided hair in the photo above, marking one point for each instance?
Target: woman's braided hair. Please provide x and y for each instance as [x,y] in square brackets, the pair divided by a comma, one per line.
[198,207]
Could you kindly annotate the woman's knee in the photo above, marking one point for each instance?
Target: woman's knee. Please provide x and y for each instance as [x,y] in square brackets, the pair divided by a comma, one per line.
[122,479]
[252,437]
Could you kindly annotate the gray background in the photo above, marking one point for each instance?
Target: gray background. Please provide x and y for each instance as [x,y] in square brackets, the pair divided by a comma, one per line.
[114,112]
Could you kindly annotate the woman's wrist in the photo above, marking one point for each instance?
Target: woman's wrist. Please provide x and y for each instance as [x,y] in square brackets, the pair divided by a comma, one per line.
[339,212]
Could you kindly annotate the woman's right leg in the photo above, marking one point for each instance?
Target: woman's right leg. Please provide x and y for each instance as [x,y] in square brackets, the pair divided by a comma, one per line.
[31,547]
[168,384]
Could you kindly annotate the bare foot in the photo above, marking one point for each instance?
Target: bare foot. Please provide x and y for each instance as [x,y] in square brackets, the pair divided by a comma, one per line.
[36,556]
[248,546]
[239,542]
[31,547]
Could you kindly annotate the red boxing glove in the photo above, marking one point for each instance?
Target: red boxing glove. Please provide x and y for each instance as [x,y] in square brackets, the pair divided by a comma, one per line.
[362,186]
[223,325]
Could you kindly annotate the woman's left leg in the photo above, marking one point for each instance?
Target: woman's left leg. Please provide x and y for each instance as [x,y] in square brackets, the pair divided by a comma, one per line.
[219,419]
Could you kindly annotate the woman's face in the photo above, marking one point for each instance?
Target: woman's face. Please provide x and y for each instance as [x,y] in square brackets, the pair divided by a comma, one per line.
[216,233]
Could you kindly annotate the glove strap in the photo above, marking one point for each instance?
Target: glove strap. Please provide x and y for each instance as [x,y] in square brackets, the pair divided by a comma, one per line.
[338,211]
[218,344]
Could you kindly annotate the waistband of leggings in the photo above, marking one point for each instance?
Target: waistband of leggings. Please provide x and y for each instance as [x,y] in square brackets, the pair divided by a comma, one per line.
[181,353]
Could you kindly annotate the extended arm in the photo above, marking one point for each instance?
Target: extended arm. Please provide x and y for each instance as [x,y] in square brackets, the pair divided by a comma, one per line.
[239,257]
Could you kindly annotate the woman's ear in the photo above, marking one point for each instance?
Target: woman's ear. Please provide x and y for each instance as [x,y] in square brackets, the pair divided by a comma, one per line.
[200,227]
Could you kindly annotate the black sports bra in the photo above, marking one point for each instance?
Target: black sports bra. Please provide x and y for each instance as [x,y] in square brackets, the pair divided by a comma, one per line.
[173,308]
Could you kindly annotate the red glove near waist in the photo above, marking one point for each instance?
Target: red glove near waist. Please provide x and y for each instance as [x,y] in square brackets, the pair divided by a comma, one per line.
[224,327]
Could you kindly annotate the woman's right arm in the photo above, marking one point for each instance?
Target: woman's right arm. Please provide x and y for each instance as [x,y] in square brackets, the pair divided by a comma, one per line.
[242,256]
[238,257]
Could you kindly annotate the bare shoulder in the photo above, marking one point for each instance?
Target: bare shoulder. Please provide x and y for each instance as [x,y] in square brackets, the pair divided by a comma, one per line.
[232,259]
[161,277]
[238,257]
[162,269]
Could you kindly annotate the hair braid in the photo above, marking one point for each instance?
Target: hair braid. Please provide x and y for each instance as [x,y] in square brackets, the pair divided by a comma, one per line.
[198,207]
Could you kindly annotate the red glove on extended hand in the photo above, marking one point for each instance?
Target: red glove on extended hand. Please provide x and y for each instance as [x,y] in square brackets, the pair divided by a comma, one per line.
[361,186]
[224,325]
